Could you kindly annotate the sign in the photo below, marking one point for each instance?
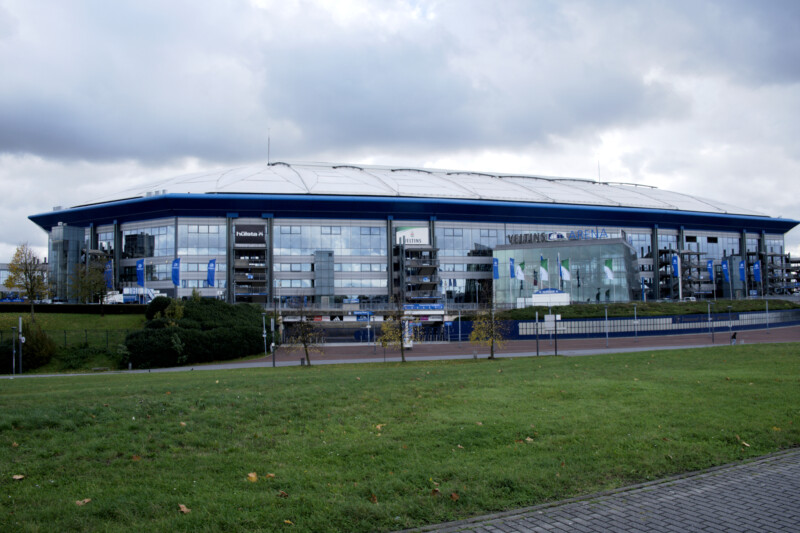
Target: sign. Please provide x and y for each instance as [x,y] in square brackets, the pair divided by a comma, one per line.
[579,235]
[710,267]
[362,313]
[511,265]
[725,271]
[495,268]
[549,291]
[249,234]
[422,307]
[350,300]
[757,271]
[675,271]
[362,318]
[412,235]
[448,323]
[108,274]
[742,275]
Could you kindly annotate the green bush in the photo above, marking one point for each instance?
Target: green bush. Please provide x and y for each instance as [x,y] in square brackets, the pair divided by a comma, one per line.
[152,348]
[157,305]
[79,357]
[38,349]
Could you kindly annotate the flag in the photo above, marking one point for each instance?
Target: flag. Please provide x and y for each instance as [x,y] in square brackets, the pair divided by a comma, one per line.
[108,274]
[212,269]
[176,271]
[742,275]
[608,268]
[520,271]
[511,266]
[710,267]
[543,269]
[725,271]
[495,268]
[675,265]
[140,272]
[565,270]
[757,271]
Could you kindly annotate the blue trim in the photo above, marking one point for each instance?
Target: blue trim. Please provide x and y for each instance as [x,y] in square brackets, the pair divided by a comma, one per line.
[379,207]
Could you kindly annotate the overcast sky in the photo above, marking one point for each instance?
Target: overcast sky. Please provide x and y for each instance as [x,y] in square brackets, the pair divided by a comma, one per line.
[691,96]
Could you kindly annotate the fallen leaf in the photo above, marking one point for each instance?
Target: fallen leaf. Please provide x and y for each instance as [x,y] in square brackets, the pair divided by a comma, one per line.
[83,502]
[168,392]
[136,458]
[252,477]
[217,381]
[183,424]
[358,379]
[479,423]
[499,371]
[288,522]
[373,499]
[283,494]
[14,445]
[105,405]
[528,440]
[775,428]
[269,476]
[17,477]
[182,508]
[460,447]
[379,426]
[745,444]
[454,496]
[435,492]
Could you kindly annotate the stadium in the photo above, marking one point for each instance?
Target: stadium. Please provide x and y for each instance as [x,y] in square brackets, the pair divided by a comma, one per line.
[337,238]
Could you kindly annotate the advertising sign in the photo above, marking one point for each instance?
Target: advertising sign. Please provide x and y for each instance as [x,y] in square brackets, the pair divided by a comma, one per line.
[411,235]
[250,234]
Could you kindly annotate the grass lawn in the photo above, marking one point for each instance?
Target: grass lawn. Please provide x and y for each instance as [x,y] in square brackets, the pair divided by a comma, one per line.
[70,321]
[378,447]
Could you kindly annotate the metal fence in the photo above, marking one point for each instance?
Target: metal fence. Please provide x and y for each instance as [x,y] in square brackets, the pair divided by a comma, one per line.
[107,339]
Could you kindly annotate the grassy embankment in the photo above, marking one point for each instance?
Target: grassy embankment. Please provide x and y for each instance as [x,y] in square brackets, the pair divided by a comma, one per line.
[378,447]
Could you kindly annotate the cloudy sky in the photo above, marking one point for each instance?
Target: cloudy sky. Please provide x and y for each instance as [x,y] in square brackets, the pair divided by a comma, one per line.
[692,96]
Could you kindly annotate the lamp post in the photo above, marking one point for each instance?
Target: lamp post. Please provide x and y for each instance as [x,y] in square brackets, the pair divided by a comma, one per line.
[635,325]
[730,324]
[13,350]
[710,327]
[606,325]
[264,331]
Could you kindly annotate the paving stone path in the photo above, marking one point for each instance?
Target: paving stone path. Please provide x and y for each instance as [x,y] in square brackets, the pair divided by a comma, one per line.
[762,495]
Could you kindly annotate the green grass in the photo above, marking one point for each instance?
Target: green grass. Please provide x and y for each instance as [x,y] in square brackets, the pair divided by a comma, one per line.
[69,321]
[499,434]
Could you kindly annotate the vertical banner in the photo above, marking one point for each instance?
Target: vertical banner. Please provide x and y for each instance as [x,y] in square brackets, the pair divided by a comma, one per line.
[176,271]
[140,272]
[742,275]
[710,267]
[675,272]
[495,268]
[212,269]
[543,268]
[643,293]
[108,274]
[565,275]
[511,267]
[608,268]
[725,271]
[757,271]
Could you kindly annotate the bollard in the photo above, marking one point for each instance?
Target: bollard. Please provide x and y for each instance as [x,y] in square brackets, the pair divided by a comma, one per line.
[302,361]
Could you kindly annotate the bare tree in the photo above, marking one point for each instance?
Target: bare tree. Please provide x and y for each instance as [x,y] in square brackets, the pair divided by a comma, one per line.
[489,331]
[27,272]
[306,335]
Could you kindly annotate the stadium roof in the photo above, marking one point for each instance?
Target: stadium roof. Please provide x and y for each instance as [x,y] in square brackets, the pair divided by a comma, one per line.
[315,190]
[360,180]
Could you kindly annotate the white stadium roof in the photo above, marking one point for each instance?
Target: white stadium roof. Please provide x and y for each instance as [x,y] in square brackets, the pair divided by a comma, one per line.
[361,180]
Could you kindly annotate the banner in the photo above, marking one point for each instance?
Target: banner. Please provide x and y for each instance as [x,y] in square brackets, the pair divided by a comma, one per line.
[675,265]
[212,269]
[757,271]
[249,234]
[521,271]
[608,268]
[140,272]
[176,271]
[495,268]
[108,274]
[725,271]
[511,267]
[543,269]
[742,275]
[643,291]
[710,267]
[565,270]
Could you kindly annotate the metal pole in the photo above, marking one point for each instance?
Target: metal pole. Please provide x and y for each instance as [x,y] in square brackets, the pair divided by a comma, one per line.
[21,342]
[710,328]
[459,328]
[555,324]
[606,326]
[635,324]
[13,350]
[264,331]
[765,301]
[730,324]
[537,333]
[272,344]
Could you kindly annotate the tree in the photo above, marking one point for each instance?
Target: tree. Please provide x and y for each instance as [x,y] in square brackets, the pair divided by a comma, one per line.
[488,330]
[392,330]
[306,335]
[88,283]
[28,273]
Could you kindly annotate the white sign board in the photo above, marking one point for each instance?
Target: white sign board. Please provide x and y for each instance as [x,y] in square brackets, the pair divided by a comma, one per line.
[412,235]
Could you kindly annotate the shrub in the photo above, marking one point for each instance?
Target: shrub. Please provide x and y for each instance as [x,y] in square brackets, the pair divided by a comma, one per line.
[157,305]
[38,349]
[76,357]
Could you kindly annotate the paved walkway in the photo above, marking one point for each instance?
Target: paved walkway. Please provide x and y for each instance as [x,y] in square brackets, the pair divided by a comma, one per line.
[762,495]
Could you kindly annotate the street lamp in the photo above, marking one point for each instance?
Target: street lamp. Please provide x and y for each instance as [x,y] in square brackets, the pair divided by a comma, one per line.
[710,327]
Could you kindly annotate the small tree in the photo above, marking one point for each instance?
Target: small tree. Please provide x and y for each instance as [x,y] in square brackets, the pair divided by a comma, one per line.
[27,272]
[392,334]
[487,330]
[88,283]
[306,335]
